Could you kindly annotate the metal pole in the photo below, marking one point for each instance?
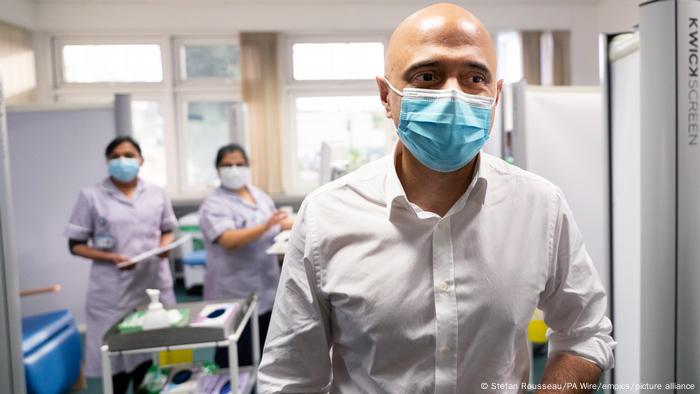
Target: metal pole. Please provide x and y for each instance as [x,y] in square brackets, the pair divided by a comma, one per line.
[256,339]
[605,83]
[256,342]
[233,362]
[122,114]
[106,370]
[11,356]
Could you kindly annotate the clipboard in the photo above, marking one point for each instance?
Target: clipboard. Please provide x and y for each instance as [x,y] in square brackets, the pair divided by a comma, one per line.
[154,252]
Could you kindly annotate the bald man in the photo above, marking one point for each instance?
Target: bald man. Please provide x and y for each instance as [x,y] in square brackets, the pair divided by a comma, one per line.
[418,273]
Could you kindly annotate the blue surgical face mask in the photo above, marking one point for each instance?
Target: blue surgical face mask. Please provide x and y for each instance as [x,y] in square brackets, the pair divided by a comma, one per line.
[123,169]
[443,129]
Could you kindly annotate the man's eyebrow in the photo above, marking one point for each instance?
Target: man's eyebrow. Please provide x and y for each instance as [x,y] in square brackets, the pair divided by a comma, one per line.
[479,66]
[415,66]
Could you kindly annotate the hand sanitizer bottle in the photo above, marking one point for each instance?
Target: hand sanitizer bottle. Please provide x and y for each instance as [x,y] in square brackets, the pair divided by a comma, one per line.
[156,316]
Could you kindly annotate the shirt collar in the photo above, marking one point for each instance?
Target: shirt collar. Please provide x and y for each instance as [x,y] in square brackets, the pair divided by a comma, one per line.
[228,193]
[395,194]
[109,186]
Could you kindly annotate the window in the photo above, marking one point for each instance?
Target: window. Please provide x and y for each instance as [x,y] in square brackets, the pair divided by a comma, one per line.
[357,123]
[510,63]
[209,125]
[147,122]
[332,101]
[337,61]
[210,61]
[111,63]
[186,99]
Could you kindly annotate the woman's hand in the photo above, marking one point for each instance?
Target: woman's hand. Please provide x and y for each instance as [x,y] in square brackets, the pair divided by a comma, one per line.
[166,239]
[287,223]
[232,239]
[83,250]
[117,259]
[276,218]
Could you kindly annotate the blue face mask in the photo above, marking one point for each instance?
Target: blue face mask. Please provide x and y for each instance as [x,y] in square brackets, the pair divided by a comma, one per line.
[123,169]
[443,129]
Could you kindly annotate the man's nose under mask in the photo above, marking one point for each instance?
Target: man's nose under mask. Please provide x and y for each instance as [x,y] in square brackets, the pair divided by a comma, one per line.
[443,129]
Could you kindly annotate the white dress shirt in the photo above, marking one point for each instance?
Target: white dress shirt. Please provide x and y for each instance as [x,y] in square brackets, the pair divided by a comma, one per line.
[379,296]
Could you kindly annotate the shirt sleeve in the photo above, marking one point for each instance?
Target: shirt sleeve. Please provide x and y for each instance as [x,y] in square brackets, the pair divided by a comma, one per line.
[80,224]
[168,221]
[574,300]
[214,219]
[296,356]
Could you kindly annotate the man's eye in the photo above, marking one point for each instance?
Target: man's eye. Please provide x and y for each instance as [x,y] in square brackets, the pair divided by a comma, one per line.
[425,77]
[478,79]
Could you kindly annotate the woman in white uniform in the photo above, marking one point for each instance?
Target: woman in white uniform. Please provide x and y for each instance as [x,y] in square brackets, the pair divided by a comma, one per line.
[239,222]
[119,218]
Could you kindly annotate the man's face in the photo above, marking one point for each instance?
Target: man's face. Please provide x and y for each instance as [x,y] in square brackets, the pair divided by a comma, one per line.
[439,52]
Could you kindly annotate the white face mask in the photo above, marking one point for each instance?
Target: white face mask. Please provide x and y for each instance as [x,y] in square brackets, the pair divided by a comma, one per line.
[233,177]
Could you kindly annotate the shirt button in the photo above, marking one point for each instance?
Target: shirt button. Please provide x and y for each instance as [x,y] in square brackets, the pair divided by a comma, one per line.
[444,350]
[444,286]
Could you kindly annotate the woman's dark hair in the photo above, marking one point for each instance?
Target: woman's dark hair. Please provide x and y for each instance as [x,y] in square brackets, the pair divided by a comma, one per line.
[230,148]
[120,140]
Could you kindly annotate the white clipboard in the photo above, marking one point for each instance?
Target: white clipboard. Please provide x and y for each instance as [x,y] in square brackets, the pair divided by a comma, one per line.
[279,247]
[154,252]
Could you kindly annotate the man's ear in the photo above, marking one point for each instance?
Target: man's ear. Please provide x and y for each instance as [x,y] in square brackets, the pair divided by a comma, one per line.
[384,95]
[499,89]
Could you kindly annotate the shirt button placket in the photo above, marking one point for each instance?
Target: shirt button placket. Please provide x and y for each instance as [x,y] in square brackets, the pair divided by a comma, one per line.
[445,309]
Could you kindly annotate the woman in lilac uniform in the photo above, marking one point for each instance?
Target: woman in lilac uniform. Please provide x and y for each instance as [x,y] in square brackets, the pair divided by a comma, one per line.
[119,218]
[239,222]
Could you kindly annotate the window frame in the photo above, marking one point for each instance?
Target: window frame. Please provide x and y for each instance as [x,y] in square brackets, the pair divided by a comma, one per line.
[317,40]
[292,89]
[168,93]
[287,56]
[58,42]
[292,174]
[185,192]
[179,42]
[163,102]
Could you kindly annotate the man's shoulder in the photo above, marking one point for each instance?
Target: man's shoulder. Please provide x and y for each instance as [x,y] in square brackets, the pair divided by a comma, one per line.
[363,184]
[523,181]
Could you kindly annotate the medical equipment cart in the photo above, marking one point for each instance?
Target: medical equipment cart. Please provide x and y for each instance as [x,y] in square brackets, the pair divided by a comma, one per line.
[188,337]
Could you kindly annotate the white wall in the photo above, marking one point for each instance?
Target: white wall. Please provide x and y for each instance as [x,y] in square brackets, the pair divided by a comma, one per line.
[48,170]
[581,17]
[18,12]
[565,143]
[17,64]
[616,16]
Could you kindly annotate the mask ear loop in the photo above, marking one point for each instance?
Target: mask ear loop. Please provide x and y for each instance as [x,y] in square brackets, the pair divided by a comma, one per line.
[392,87]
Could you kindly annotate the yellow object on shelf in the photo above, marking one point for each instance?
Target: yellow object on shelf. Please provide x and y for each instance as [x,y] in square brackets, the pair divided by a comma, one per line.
[537,329]
[171,357]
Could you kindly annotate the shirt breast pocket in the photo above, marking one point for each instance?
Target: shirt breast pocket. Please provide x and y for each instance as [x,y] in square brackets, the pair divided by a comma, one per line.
[150,218]
[243,221]
[103,237]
